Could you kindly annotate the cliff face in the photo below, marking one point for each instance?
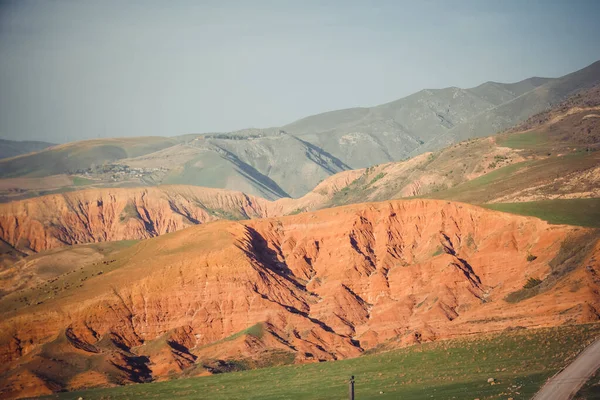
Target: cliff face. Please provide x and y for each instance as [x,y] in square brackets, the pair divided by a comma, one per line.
[118,214]
[315,286]
[101,215]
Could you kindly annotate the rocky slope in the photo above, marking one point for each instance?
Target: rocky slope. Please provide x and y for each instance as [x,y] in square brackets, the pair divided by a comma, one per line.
[102,215]
[315,286]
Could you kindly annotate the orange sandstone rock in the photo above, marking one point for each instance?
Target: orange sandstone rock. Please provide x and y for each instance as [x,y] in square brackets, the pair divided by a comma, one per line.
[315,286]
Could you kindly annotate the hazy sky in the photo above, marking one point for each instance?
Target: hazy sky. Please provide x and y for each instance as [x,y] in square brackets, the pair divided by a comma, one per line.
[84,69]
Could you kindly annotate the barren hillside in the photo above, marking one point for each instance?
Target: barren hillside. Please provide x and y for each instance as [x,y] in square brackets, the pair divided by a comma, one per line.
[316,286]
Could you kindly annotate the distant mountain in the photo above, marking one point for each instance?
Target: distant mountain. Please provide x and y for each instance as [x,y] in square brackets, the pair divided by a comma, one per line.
[11,148]
[70,157]
[265,162]
[362,137]
[289,161]
[519,109]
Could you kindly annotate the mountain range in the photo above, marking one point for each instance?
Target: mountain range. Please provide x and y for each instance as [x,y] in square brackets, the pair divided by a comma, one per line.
[552,155]
[291,160]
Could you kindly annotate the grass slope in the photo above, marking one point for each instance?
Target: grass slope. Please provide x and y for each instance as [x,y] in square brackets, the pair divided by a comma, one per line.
[516,177]
[62,270]
[581,212]
[519,360]
[526,140]
[11,148]
[79,155]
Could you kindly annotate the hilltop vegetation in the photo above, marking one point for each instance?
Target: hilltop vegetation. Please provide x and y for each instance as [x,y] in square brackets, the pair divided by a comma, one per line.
[581,212]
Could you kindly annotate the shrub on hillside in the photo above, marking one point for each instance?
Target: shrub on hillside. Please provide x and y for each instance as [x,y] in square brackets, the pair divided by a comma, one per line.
[531,283]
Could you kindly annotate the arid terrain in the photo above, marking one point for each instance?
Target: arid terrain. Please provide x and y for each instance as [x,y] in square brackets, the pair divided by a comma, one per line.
[108,276]
[552,156]
[268,200]
[310,287]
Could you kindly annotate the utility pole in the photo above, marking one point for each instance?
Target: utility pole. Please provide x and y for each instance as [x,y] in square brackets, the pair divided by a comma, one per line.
[351,388]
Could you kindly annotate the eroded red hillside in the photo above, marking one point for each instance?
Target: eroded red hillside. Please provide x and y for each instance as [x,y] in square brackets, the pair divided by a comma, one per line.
[315,286]
[100,215]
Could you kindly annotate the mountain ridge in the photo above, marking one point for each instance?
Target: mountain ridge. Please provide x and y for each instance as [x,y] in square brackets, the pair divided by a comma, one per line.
[512,112]
[291,160]
[553,155]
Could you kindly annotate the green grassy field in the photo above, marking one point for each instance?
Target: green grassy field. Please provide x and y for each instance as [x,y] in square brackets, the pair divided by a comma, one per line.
[581,212]
[80,181]
[526,140]
[519,360]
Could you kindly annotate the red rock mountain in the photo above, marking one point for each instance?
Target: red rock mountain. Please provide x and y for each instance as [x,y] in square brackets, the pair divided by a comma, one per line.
[100,215]
[315,286]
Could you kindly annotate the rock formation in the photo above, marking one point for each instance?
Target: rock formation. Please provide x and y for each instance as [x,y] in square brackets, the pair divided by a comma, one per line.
[316,286]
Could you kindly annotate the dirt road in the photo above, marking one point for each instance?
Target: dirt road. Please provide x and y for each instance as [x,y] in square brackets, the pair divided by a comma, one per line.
[566,384]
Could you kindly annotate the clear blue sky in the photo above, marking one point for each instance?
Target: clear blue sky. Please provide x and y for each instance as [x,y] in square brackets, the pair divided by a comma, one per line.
[71,70]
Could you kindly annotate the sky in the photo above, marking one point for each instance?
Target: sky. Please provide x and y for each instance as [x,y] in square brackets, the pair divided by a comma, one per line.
[72,70]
